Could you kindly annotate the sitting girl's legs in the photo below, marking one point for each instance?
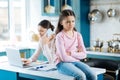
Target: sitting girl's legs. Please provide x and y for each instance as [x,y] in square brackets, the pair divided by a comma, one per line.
[86,69]
[71,69]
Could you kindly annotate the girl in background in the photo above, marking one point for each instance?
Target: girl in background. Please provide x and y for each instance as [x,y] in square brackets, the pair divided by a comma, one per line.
[45,43]
[70,49]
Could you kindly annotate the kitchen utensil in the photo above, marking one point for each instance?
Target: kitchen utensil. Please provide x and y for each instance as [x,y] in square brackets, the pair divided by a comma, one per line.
[114,44]
[98,43]
[49,8]
[110,43]
[95,16]
[111,13]
[66,6]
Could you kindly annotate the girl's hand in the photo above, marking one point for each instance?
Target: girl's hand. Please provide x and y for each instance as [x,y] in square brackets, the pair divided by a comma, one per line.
[79,50]
[69,53]
[26,61]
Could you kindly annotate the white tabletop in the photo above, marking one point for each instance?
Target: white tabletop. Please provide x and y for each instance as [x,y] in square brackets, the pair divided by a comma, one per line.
[50,74]
[4,65]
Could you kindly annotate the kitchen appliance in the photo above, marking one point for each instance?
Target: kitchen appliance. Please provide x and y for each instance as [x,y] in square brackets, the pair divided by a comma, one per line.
[111,13]
[98,45]
[114,44]
[95,16]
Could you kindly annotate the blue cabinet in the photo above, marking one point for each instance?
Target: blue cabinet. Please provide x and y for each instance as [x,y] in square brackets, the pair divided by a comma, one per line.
[8,75]
[84,22]
[31,77]
[2,53]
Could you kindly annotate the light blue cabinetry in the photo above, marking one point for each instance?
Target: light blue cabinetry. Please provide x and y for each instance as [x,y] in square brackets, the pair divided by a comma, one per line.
[8,75]
[84,22]
[2,53]
[22,76]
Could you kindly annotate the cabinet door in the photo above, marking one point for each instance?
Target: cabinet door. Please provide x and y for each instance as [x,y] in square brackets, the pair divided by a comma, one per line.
[7,75]
[31,77]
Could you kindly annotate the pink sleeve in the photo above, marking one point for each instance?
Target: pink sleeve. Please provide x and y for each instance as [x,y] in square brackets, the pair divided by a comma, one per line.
[61,51]
[82,53]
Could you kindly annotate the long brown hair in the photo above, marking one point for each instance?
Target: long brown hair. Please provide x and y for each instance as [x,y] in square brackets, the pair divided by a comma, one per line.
[46,24]
[63,15]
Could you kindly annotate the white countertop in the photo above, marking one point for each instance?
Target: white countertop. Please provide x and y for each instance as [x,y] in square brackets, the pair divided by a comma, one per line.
[4,65]
[53,74]
[50,74]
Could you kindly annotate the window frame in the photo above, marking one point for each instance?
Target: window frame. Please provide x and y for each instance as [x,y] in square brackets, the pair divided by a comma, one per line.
[11,22]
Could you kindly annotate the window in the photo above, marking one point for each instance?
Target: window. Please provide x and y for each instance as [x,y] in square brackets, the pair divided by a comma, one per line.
[12,20]
[4,29]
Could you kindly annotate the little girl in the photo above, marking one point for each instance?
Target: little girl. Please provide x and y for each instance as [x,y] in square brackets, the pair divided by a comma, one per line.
[46,43]
[70,49]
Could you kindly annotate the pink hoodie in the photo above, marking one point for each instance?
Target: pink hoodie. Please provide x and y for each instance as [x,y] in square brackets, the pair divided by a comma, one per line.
[66,44]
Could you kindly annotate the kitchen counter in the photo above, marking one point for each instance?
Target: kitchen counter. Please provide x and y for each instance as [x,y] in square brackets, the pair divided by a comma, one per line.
[51,75]
[103,55]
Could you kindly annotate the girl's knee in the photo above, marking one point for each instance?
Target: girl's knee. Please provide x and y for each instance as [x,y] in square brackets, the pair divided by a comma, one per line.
[92,77]
[80,77]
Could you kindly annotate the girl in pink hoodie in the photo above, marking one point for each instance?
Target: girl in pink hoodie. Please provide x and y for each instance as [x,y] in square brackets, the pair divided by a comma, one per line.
[70,49]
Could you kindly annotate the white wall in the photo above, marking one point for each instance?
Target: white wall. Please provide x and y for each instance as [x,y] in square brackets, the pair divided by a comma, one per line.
[36,14]
[105,29]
